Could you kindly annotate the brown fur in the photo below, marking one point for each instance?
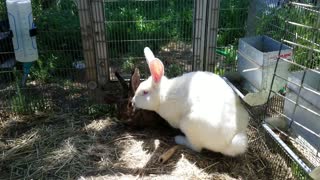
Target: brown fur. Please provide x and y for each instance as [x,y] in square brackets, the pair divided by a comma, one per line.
[138,118]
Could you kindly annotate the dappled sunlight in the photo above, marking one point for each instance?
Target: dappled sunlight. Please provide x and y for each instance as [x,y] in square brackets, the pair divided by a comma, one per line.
[102,154]
[186,168]
[133,155]
[21,145]
[70,145]
[99,125]
[63,155]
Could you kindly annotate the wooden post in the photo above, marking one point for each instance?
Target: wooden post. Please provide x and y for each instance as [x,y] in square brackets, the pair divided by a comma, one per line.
[211,34]
[98,17]
[206,22]
[199,23]
[87,42]
[91,14]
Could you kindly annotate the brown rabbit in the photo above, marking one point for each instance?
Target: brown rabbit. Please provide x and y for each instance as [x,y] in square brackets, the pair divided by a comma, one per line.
[138,118]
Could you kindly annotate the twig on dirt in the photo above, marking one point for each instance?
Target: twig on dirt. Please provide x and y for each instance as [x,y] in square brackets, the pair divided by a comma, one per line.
[168,154]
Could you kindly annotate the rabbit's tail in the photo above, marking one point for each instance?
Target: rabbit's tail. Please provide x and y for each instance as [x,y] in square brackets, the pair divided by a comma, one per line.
[238,145]
[148,54]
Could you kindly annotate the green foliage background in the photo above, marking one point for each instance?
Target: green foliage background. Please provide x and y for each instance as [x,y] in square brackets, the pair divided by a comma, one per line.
[130,27]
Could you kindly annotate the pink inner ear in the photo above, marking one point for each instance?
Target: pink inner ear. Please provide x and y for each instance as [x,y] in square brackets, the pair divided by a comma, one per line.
[156,69]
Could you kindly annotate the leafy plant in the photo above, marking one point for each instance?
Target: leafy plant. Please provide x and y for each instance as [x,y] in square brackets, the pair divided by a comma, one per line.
[173,70]
[19,100]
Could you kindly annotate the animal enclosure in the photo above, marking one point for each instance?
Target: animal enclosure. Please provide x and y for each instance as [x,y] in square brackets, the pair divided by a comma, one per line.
[58,124]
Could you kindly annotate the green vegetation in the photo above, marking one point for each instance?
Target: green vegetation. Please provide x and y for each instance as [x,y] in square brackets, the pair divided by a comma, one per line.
[273,24]
[132,25]
[20,102]
[98,110]
[298,172]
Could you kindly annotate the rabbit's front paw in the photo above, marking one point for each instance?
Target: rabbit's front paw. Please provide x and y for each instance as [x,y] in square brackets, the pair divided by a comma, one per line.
[182,140]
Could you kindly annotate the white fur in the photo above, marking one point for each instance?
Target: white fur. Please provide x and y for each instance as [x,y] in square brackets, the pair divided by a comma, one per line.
[203,106]
[148,54]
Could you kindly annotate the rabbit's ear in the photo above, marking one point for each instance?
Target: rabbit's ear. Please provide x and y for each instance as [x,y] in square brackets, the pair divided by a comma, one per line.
[135,80]
[155,65]
[148,54]
[157,70]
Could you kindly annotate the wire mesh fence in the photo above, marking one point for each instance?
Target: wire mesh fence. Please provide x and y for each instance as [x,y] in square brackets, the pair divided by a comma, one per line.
[232,26]
[295,24]
[164,26]
[167,27]
[56,79]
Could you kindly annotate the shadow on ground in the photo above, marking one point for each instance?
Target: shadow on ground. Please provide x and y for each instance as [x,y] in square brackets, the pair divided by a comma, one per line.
[74,145]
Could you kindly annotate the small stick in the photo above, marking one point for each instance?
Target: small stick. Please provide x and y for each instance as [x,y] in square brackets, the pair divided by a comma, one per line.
[168,154]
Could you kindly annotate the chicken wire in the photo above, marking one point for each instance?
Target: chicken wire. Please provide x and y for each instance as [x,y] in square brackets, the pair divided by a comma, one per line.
[296,24]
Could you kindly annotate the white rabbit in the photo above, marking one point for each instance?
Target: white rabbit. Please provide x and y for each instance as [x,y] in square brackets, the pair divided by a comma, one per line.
[201,104]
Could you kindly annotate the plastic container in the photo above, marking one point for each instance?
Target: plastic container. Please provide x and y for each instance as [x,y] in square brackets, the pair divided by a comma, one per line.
[257,57]
[21,22]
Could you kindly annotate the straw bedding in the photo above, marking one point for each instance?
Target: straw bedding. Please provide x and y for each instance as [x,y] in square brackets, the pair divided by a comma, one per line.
[79,146]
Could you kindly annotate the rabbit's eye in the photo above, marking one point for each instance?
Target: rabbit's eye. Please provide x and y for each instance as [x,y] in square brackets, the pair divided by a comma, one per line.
[145,92]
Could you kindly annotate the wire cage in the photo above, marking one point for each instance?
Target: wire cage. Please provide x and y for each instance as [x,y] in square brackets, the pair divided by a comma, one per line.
[82,43]
[291,117]
[56,80]
[176,31]
[164,26]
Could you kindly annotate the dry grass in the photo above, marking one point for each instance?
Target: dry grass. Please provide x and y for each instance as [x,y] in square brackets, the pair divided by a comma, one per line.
[73,146]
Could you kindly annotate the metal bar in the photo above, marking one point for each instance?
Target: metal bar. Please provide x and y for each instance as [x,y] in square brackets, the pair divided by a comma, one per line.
[275,69]
[302,4]
[286,148]
[233,87]
[300,125]
[302,25]
[296,35]
[300,45]
[298,97]
[296,103]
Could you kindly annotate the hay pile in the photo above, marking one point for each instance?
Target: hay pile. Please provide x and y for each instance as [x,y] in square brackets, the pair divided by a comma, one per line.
[74,146]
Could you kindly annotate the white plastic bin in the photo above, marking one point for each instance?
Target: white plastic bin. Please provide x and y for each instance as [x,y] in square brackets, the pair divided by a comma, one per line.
[21,21]
[257,58]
